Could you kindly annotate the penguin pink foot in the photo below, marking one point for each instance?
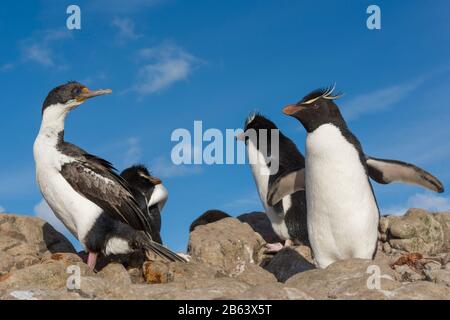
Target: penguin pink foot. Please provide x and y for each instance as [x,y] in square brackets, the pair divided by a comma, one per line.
[276,247]
[273,247]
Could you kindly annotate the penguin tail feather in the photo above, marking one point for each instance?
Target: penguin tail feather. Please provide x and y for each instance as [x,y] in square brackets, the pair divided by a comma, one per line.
[162,252]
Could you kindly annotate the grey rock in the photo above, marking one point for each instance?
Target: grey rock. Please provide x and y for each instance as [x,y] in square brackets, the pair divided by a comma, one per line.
[115,273]
[254,275]
[444,219]
[209,216]
[260,223]
[273,291]
[387,247]
[439,276]
[39,294]
[421,290]
[164,272]
[416,231]
[408,274]
[226,264]
[24,241]
[227,245]
[287,263]
[348,279]
[208,289]
[50,274]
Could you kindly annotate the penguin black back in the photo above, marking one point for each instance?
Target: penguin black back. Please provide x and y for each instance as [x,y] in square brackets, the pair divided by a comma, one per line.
[142,185]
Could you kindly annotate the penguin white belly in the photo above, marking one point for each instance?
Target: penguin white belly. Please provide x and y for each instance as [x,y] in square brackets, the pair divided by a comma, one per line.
[159,196]
[261,174]
[76,212]
[342,212]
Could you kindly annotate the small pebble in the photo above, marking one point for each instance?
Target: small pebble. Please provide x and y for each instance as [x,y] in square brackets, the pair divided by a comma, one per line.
[386,247]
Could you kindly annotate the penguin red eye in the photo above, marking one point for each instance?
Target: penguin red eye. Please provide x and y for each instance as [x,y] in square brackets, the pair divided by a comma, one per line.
[315,106]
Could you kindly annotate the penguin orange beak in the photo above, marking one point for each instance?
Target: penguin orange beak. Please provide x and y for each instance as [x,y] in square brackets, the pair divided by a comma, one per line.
[87,94]
[154,180]
[240,136]
[292,109]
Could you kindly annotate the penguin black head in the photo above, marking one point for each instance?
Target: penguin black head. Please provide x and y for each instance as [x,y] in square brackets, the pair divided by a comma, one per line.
[70,95]
[315,109]
[256,121]
[140,178]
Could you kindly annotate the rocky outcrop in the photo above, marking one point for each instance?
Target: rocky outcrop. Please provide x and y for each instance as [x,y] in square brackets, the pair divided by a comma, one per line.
[228,245]
[228,262]
[417,231]
[288,262]
[260,223]
[25,241]
[209,216]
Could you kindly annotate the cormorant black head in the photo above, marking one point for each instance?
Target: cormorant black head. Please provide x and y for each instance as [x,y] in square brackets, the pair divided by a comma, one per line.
[315,109]
[70,95]
[140,178]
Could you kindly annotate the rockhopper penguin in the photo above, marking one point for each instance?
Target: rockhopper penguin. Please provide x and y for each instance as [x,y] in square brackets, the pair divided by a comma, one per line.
[342,212]
[288,215]
[150,194]
[84,191]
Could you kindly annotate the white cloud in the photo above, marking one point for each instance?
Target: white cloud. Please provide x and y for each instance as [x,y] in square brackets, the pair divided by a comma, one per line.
[2,210]
[38,48]
[164,168]
[382,99]
[427,201]
[43,211]
[38,53]
[125,29]
[165,65]
[133,152]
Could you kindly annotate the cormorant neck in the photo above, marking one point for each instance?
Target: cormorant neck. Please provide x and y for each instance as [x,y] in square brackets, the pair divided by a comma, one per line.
[52,126]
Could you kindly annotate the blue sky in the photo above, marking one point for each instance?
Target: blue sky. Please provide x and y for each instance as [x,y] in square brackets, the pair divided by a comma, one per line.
[172,62]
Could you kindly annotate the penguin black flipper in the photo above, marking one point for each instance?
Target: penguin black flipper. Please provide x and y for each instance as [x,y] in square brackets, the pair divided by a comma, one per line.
[285,184]
[96,180]
[386,171]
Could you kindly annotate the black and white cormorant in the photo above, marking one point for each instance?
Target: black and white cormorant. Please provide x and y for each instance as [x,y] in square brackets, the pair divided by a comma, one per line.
[84,191]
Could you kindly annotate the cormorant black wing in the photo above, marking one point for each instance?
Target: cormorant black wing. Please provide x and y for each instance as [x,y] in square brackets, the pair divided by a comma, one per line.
[96,180]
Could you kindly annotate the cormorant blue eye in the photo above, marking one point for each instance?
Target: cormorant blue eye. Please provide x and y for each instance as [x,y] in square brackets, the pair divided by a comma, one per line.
[76,91]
